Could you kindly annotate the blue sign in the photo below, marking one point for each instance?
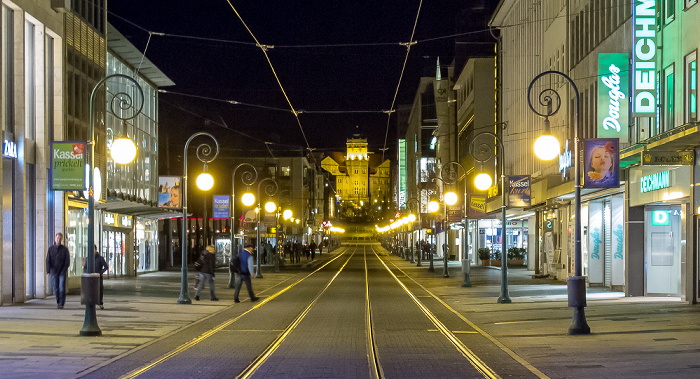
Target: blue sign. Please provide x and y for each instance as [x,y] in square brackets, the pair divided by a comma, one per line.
[221,206]
[9,149]
[519,191]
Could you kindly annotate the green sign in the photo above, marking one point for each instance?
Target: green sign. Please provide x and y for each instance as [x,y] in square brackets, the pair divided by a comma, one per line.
[654,182]
[660,218]
[68,166]
[613,90]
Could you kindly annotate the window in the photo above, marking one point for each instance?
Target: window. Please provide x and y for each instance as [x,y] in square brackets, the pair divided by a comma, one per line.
[690,3]
[30,79]
[670,10]
[8,73]
[669,102]
[285,171]
[356,171]
[691,87]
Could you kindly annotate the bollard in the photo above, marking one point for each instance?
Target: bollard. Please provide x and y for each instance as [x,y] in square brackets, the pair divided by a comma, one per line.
[466,268]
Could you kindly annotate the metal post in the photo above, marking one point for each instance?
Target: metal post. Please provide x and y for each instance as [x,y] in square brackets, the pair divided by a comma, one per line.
[277,240]
[90,327]
[445,272]
[576,284]
[247,178]
[205,150]
[270,191]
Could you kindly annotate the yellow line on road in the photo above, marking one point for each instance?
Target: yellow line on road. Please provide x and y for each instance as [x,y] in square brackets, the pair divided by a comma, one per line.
[482,367]
[250,370]
[209,333]
[496,342]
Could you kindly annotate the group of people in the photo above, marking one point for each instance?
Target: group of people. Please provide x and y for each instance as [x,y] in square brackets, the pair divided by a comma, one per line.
[57,264]
[242,266]
[295,249]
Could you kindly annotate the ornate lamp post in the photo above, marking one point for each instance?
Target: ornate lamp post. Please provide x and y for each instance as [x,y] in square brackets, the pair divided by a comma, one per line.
[248,177]
[547,147]
[270,190]
[450,174]
[413,245]
[204,181]
[123,151]
[448,198]
[483,183]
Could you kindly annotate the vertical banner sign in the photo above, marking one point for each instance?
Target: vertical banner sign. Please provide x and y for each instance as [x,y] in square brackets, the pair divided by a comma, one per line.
[519,191]
[601,161]
[645,91]
[617,244]
[402,173]
[613,85]
[68,166]
[477,206]
[221,206]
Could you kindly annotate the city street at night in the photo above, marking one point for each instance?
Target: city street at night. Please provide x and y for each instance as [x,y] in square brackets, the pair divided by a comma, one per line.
[357,312]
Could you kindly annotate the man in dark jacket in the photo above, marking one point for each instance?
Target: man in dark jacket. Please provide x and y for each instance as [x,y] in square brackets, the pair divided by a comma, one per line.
[100,268]
[247,267]
[207,273]
[57,263]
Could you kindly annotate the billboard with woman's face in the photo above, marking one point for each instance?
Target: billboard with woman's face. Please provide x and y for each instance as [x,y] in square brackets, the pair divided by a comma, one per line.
[169,192]
[601,163]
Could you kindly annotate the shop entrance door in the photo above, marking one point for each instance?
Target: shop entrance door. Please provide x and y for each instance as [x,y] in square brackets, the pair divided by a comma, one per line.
[662,247]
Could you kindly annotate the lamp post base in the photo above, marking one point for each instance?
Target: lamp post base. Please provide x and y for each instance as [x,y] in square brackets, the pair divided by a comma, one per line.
[504,299]
[579,324]
[90,327]
[467,282]
[431,268]
[184,300]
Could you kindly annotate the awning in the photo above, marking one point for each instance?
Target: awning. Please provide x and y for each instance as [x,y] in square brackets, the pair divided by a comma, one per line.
[133,208]
[683,138]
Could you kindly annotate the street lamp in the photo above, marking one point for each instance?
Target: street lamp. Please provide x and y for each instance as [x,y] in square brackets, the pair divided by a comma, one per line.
[270,190]
[124,107]
[484,149]
[206,156]
[450,175]
[448,198]
[248,177]
[412,218]
[577,283]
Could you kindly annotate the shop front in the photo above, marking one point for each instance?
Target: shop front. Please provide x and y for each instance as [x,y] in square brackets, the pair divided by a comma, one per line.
[659,236]
[118,244]
[76,236]
[603,239]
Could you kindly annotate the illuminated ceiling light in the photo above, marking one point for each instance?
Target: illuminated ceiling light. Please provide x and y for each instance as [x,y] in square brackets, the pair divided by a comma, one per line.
[123,150]
[248,199]
[483,181]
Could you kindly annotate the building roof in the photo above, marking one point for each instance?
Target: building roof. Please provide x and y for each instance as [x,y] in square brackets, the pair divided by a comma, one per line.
[123,49]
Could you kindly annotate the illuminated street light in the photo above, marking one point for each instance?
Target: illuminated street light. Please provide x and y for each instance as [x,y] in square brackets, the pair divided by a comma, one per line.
[248,199]
[270,207]
[287,214]
[483,181]
[205,181]
[411,217]
[547,146]
[123,150]
[450,198]
[433,206]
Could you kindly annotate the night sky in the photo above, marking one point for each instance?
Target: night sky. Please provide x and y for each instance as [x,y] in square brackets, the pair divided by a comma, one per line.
[317,78]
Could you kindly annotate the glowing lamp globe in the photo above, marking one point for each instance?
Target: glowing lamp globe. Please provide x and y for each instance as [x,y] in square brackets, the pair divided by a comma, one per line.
[248,199]
[433,206]
[123,150]
[205,181]
[483,181]
[287,214]
[450,198]
[411,217]
[270,207]
[547,147]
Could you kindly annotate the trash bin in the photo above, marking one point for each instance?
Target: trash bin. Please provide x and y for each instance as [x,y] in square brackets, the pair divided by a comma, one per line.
[90,289]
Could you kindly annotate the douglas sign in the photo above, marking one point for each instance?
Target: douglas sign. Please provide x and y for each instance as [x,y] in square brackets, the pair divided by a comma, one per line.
[645,58]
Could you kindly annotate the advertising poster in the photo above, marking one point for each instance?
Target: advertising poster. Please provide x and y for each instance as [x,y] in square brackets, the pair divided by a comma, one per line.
[519,191]
[169,192]
[595,242]
[68,166]
[617,234]
[601,163]
[221,206]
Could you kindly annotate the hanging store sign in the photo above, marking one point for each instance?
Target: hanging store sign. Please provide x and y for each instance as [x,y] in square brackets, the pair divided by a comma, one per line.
[519,191]
[602,163]
[221,206]
[402,173]
[653,182]
[9,149]
[644,84]
[613,120]
[68,166]
[477,206]
[668,158]
[565,160]
[454,214]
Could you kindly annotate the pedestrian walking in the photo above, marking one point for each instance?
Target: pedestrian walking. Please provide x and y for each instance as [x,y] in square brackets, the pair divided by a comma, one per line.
[246,267]
[313,249]
[206,274]
[267,248]
[320,248]
[100,268]
[288,251]
[57,263]
[307,251]
[297,251]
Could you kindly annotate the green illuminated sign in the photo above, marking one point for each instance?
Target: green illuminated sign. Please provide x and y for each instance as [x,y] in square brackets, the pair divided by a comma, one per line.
[613,87]
[660,218]
[654,182]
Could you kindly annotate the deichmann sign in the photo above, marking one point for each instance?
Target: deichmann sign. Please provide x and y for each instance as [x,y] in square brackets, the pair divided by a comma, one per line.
[654,182]
[612,96]
[221,206]
[68,166]
[645,58]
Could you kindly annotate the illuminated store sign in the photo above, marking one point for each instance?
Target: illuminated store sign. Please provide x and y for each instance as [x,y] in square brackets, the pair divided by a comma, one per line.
[9,149]
[654,182]
[565,159]
[402,173]
[613,71]
[645,58]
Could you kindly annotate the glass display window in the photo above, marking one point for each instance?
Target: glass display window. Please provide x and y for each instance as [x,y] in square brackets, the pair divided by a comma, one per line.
[76,238]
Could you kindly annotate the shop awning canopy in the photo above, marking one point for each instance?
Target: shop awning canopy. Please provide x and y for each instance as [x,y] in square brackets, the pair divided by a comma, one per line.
[682,138]
[133,208]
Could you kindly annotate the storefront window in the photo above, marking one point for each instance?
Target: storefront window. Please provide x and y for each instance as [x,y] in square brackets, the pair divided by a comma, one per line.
[76,239]
[147,244]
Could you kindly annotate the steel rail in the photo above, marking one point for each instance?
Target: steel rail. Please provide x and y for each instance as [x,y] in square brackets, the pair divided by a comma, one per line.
[220,327]
[375,366]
